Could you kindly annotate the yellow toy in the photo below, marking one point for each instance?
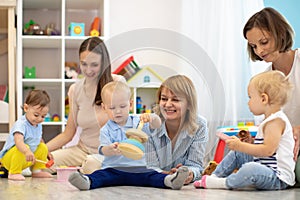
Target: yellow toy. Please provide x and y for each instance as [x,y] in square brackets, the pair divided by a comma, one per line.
[132,147]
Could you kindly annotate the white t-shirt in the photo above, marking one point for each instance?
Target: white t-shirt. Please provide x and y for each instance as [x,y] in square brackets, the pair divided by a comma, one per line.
[292,108]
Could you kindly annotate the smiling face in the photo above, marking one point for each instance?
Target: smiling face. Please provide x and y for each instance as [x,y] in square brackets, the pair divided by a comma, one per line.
[90,64]
[263,44]
[35,114]
[172,107]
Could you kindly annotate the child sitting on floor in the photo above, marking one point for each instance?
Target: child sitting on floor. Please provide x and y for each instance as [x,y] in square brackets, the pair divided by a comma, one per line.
[117,170]
[267,164]
[24,144]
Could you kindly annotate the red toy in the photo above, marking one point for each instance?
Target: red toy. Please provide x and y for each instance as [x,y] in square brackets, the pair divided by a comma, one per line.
[48,164]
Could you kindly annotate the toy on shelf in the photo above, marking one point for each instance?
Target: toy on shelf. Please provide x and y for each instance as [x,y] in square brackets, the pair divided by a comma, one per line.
[95,27]
[132,147]
[32,28]
[47,118]
[128,68]
[51,30]
[55,118]
[30,72]
[244,132]
[76,29]
[71,70]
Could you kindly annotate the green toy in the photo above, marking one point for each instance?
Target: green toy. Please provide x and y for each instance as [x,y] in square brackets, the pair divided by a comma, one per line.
[30,72]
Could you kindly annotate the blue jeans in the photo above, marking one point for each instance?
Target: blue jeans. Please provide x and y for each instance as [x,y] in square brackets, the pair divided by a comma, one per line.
[113,177]
[250,173]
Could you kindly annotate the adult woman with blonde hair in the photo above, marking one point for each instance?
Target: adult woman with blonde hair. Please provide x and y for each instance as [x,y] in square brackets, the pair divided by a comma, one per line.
[182,138]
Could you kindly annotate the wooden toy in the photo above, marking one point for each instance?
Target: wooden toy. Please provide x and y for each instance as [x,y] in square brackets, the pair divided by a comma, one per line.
[49,163]
[132,147]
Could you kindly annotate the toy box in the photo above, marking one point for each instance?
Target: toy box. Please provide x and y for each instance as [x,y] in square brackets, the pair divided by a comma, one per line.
[76,29]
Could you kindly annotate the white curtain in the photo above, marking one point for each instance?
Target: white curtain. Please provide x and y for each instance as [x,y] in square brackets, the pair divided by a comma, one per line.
[217,27]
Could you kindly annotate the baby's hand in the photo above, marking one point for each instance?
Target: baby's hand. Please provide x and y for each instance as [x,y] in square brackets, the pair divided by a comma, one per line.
[29,156]
[145,117]
[111,150]
[233,143]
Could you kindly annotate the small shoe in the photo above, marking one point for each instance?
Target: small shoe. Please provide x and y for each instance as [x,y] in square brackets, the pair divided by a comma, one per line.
[16,177]
[41,174]
[80,181]
[26,172]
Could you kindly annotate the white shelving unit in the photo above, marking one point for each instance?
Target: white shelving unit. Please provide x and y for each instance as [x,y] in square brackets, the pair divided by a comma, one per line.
[7,56]
[49,53]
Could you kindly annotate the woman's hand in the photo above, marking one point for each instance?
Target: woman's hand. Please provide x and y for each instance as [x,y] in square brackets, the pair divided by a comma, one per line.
[296,132]
[190,178]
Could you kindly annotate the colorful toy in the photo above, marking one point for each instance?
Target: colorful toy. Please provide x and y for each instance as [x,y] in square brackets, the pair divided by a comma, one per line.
[30,72]
[76,29]
[32,28]
[49,163]
[132,147]
[3,172]
[244,132]
[128,68]
[95,27]
[47,118]
[55,118]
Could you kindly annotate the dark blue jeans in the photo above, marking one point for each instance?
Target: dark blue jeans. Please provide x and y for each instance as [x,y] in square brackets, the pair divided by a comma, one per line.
[117,177]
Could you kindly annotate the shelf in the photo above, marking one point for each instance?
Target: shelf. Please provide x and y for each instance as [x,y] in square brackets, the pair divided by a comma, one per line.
[42,4]
[41,41]
[48,53]
[41,81]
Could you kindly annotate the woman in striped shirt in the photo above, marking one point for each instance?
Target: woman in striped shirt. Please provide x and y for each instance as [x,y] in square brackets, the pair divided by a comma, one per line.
[182,138]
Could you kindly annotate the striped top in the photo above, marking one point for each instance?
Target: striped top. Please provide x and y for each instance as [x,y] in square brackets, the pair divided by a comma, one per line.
[189,150]
[281,162]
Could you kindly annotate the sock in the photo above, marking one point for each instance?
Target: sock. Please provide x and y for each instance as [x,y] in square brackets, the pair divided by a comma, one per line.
[198,184]
[213,182]
[80,181]
[176,180]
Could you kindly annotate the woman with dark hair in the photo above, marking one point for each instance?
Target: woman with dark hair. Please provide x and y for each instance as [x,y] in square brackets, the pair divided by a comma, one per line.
[85,109]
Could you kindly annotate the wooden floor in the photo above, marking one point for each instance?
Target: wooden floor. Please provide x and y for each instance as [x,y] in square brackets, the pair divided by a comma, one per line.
[33,188]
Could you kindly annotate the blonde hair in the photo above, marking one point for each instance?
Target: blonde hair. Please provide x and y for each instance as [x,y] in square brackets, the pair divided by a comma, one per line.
[181,85]
[273,83]
[115,87]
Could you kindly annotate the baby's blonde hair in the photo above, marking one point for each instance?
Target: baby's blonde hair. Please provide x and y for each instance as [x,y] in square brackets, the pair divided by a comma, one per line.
[275,84]
[115,87]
